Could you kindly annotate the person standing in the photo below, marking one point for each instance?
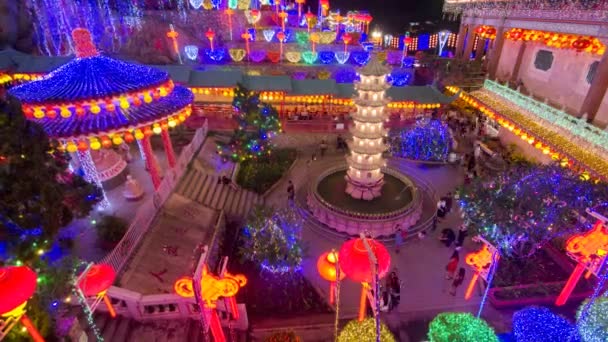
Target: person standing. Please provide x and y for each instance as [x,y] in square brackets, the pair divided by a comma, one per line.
[291,192]
[400,235]
[462,234]
[323,147]
[449,200]
[394,288]
[457,281]
[452,265]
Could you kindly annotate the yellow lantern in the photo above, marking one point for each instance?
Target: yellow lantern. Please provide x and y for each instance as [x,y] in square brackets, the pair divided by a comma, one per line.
[71,147]
[124,104]
[95,109]
[162,91]
[65,112]
[139,134]
[117,139]
[147,98]
[172,123]
[95,144]
[156,129]
[38,113]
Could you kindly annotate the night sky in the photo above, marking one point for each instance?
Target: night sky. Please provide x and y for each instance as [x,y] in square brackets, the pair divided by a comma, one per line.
[392,16]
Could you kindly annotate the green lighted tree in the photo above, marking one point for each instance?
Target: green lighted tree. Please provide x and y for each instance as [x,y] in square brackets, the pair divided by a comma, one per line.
[273,239]
[525,207]
[460,326]
[258,122]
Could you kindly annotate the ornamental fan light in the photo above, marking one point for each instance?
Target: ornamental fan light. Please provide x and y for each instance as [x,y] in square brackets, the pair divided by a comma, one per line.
[253,16]
[196,4]
[268,35]
[191,52]
[237,55]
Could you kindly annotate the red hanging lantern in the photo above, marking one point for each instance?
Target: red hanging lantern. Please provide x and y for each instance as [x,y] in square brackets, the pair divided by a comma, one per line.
[581,44]
[128,136]
[480,29]
[354,260]
[17,285]
[407,41]
[98,279]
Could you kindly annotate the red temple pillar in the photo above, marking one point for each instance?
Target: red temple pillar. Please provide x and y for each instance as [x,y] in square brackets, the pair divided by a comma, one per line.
[151,162]
[460,41]
[597,90]
[168,147]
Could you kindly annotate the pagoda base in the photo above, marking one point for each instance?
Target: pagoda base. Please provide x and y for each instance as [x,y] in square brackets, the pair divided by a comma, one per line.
[399,204]
[363,192]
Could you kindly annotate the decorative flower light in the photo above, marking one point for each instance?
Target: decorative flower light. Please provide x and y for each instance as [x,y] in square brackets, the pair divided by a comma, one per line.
[407,40]
[233,4]
[172,34]
[327,37]
[196,4]
[191,52]
[253,16]
[281,38]
[309,57]
[283,17]
[324,7]
[342,57]
[237,55]
[268,34]
[216,55]
[361,57]
[293,56]
[210,35]
[326,57]
[257,55]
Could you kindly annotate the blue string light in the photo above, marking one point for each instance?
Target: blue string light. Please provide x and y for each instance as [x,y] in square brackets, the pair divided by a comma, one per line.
[399,78]
[539,324]
[429,140]
[360,57]
[88,78]
[326,57]
[216,56]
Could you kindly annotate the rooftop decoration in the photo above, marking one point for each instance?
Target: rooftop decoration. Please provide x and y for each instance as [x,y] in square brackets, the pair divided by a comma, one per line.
[558,40]
[364,176]
[462,327]
[17,286]
[520,210]
[95,101]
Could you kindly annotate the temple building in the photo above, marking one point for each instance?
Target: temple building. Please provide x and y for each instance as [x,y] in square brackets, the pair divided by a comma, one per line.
[547,75]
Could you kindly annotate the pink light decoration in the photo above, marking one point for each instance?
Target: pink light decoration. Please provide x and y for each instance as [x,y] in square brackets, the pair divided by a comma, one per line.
[210,35]
[346,38]
[247,37]
[83,43]
[281,36]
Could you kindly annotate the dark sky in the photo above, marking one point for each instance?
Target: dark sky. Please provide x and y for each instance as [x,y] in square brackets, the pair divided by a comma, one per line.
[392,16]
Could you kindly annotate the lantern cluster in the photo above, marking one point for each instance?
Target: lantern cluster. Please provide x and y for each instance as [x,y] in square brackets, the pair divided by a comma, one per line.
[14,79]
[486,32]
[523,133]
[559,40]
[226,92]
[411,105]
[128,135]
[95,106]
[312,99]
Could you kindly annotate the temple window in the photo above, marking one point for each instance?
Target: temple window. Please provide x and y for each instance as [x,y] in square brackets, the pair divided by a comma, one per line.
[543,60]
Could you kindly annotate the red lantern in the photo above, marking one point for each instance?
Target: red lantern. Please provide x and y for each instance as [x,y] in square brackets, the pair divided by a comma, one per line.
[274,56]
[281,36]
[581,44]
[17,285]
[347,38]
[480,29]
[106,142]
[407,41]
[129,137]
[491,31]
[82,146]
[98,279]
[354,260]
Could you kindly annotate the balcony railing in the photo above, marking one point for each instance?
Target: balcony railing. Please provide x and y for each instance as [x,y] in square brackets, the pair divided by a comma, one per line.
[577,127]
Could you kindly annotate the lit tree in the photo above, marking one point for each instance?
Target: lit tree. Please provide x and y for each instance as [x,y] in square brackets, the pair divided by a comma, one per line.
[460,326]
[364,331]
[38,196]
[429,140]
[273,239]
[525,207]
[534,324]
[593,327]
[258,123]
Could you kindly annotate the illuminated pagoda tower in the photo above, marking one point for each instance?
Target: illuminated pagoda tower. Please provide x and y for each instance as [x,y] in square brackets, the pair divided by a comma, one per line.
[364,176]
[95,102]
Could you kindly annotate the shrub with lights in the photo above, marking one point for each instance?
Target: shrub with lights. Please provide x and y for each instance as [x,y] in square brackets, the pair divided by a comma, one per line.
[593,327]
[461,327]
[364,331]
[535,324]
[429,140]
[258,123]
[526,206]
[273,239]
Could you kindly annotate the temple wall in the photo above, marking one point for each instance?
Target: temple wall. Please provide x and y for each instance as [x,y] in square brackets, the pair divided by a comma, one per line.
[564,84]
[507,138]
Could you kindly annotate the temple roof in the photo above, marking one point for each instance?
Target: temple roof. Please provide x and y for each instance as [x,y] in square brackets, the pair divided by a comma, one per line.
[374,68]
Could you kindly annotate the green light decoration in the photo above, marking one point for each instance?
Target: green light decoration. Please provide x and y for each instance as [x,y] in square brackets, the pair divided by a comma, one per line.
[258,122]
[309,57]
[233,4]
[594,327]
[578,127]
[461,327]
[364,331]
[302,38]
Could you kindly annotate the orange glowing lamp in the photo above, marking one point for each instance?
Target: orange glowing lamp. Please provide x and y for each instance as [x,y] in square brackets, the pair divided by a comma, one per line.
[96,283]
[172,34]
[283,17]
[281,37]
[17,286]
[481,262]
[310,20]
[300,3]
[247,37]
[212,288]
[588,250]
[314,39]
[346,38]
[328,268]
[324,7]
[210,35]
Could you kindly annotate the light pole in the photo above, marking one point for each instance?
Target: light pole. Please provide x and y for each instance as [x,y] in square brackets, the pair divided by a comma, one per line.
[374,267]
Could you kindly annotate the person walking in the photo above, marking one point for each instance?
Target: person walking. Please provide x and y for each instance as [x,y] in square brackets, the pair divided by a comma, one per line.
[457,281]
[452,265]
[394,288]
[449,200]
[399,237]
[323,147]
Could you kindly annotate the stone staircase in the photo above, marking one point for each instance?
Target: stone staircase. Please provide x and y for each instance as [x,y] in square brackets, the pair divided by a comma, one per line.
[123,329]
[202,187]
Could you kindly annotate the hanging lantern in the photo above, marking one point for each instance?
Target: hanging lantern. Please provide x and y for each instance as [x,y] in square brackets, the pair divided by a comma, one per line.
[247,37]
[327,266]
[310,20]
[346,38]
[324,7]
[283,17]
[314,39]
[97,281]
[581,44]
[229,12]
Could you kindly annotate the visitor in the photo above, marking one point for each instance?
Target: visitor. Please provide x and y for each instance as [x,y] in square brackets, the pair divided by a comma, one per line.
[385,302]
[291,192]
[323,147]
[441,208]
[229,182]
[447,237]
[394,288]
[434,226]
[400,236]
[457,281]
[449,200]
[341,143]
[452,265]
[477,151]
[462,234]
[421,235]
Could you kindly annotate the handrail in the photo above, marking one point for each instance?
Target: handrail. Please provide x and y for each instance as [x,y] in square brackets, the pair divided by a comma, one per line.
[363,216]
[146,213]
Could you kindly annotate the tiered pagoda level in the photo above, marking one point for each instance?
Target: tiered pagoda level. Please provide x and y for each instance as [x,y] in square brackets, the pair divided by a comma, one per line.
[364,176]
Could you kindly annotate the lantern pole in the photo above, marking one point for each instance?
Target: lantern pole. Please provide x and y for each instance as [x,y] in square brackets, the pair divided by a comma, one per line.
[196,282]
[374,266]
[489,282]
[337,294]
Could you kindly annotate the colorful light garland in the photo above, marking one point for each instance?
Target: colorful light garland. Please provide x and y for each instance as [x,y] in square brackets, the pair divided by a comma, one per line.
[557,40]
[429,140]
